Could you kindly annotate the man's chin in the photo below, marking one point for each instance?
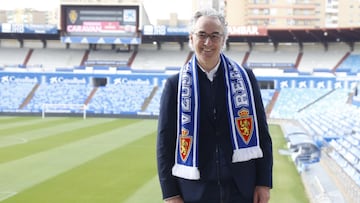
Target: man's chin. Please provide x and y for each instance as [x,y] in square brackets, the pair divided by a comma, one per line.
[207,54]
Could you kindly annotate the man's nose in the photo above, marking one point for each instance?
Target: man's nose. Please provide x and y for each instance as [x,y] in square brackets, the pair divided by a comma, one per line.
[207,40]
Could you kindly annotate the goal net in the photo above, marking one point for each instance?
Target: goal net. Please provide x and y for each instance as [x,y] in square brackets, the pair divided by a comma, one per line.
[48,109]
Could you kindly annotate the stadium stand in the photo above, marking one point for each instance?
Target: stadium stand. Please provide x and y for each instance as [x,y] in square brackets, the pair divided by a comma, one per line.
[350,64]
[267,95]
[313,85]
[58,94]
[44,58]
[107,58]
[11,57]
[238,51]
[317,56]
[32,44]
[13,94]
[120,98]
[154,103]
[149,57]
[266,55]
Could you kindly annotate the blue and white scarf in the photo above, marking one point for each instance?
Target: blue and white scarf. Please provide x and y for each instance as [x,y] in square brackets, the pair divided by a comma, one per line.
[241,111]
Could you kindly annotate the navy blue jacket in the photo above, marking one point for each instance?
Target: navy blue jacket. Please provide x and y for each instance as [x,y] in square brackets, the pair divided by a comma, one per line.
[215,148]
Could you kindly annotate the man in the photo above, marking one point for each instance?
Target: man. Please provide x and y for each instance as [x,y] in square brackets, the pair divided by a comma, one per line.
[213,142]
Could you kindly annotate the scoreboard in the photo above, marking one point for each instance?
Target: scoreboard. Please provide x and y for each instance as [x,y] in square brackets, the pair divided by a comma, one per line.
[100,20]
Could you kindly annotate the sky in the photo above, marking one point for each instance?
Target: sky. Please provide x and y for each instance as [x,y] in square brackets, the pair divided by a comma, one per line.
[161,9]
[38,4]
[157,9]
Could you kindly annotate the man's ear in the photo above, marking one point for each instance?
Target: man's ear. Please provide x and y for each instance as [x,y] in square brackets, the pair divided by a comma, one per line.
[191,38]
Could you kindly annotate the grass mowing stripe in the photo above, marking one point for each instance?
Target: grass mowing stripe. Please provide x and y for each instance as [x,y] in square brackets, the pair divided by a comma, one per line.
[53,129]
[288,186]
[37,123]
[21,174]
[86,129]
[102,171]
[15,122]
[11,119]
[149,189]
[110,178]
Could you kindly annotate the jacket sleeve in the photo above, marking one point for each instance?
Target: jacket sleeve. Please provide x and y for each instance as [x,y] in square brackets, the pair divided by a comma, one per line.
[166,138]
[264,165]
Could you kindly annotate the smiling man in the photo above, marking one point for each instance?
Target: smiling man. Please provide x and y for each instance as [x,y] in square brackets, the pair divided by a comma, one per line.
[213,143]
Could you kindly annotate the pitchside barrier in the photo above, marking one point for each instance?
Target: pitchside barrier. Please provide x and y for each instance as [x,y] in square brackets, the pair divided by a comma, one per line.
[122,93]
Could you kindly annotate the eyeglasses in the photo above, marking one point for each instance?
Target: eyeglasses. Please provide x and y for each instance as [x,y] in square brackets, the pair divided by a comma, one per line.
[214,37]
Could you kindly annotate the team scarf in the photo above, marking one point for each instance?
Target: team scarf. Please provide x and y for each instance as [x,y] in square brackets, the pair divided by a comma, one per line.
[241,113]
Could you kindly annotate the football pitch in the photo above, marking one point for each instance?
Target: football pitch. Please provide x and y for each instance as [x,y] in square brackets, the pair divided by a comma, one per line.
[99,160]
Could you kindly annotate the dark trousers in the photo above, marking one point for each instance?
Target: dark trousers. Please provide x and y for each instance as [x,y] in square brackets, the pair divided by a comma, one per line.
[221,192]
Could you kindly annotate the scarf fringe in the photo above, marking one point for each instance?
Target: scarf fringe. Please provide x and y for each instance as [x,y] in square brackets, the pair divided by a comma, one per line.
[245,154]
[187,172]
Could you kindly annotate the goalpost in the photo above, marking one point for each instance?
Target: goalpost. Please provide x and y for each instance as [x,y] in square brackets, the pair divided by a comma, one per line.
[64,108]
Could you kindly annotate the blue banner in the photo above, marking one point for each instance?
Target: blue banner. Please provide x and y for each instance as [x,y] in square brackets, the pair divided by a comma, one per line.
[101,40]
[165,30]
[28,28]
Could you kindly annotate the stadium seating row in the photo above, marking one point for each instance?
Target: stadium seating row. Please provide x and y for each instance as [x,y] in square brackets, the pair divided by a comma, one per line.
[312,57]
[328,118]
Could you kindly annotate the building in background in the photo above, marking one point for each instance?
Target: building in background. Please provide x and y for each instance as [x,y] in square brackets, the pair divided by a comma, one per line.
[30,16]
[293,14]
[271,14]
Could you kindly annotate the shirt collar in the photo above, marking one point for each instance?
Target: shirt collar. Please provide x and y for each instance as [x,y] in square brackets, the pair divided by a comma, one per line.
[211,74]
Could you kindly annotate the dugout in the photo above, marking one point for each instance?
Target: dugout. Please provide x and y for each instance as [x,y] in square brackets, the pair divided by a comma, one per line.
[304,150]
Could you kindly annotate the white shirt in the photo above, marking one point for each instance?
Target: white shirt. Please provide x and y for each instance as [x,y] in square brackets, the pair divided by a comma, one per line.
[211,74]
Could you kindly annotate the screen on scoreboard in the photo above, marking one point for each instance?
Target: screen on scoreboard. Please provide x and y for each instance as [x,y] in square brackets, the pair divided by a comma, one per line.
[97,21]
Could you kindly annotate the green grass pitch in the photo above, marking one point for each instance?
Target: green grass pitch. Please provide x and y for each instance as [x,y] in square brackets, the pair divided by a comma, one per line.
[99,160]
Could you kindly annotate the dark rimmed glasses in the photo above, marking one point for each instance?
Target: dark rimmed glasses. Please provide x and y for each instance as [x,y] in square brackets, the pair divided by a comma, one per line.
[203,36]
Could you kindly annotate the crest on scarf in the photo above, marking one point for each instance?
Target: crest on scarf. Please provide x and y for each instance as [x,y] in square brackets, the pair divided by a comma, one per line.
[185,144]
[245,125]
